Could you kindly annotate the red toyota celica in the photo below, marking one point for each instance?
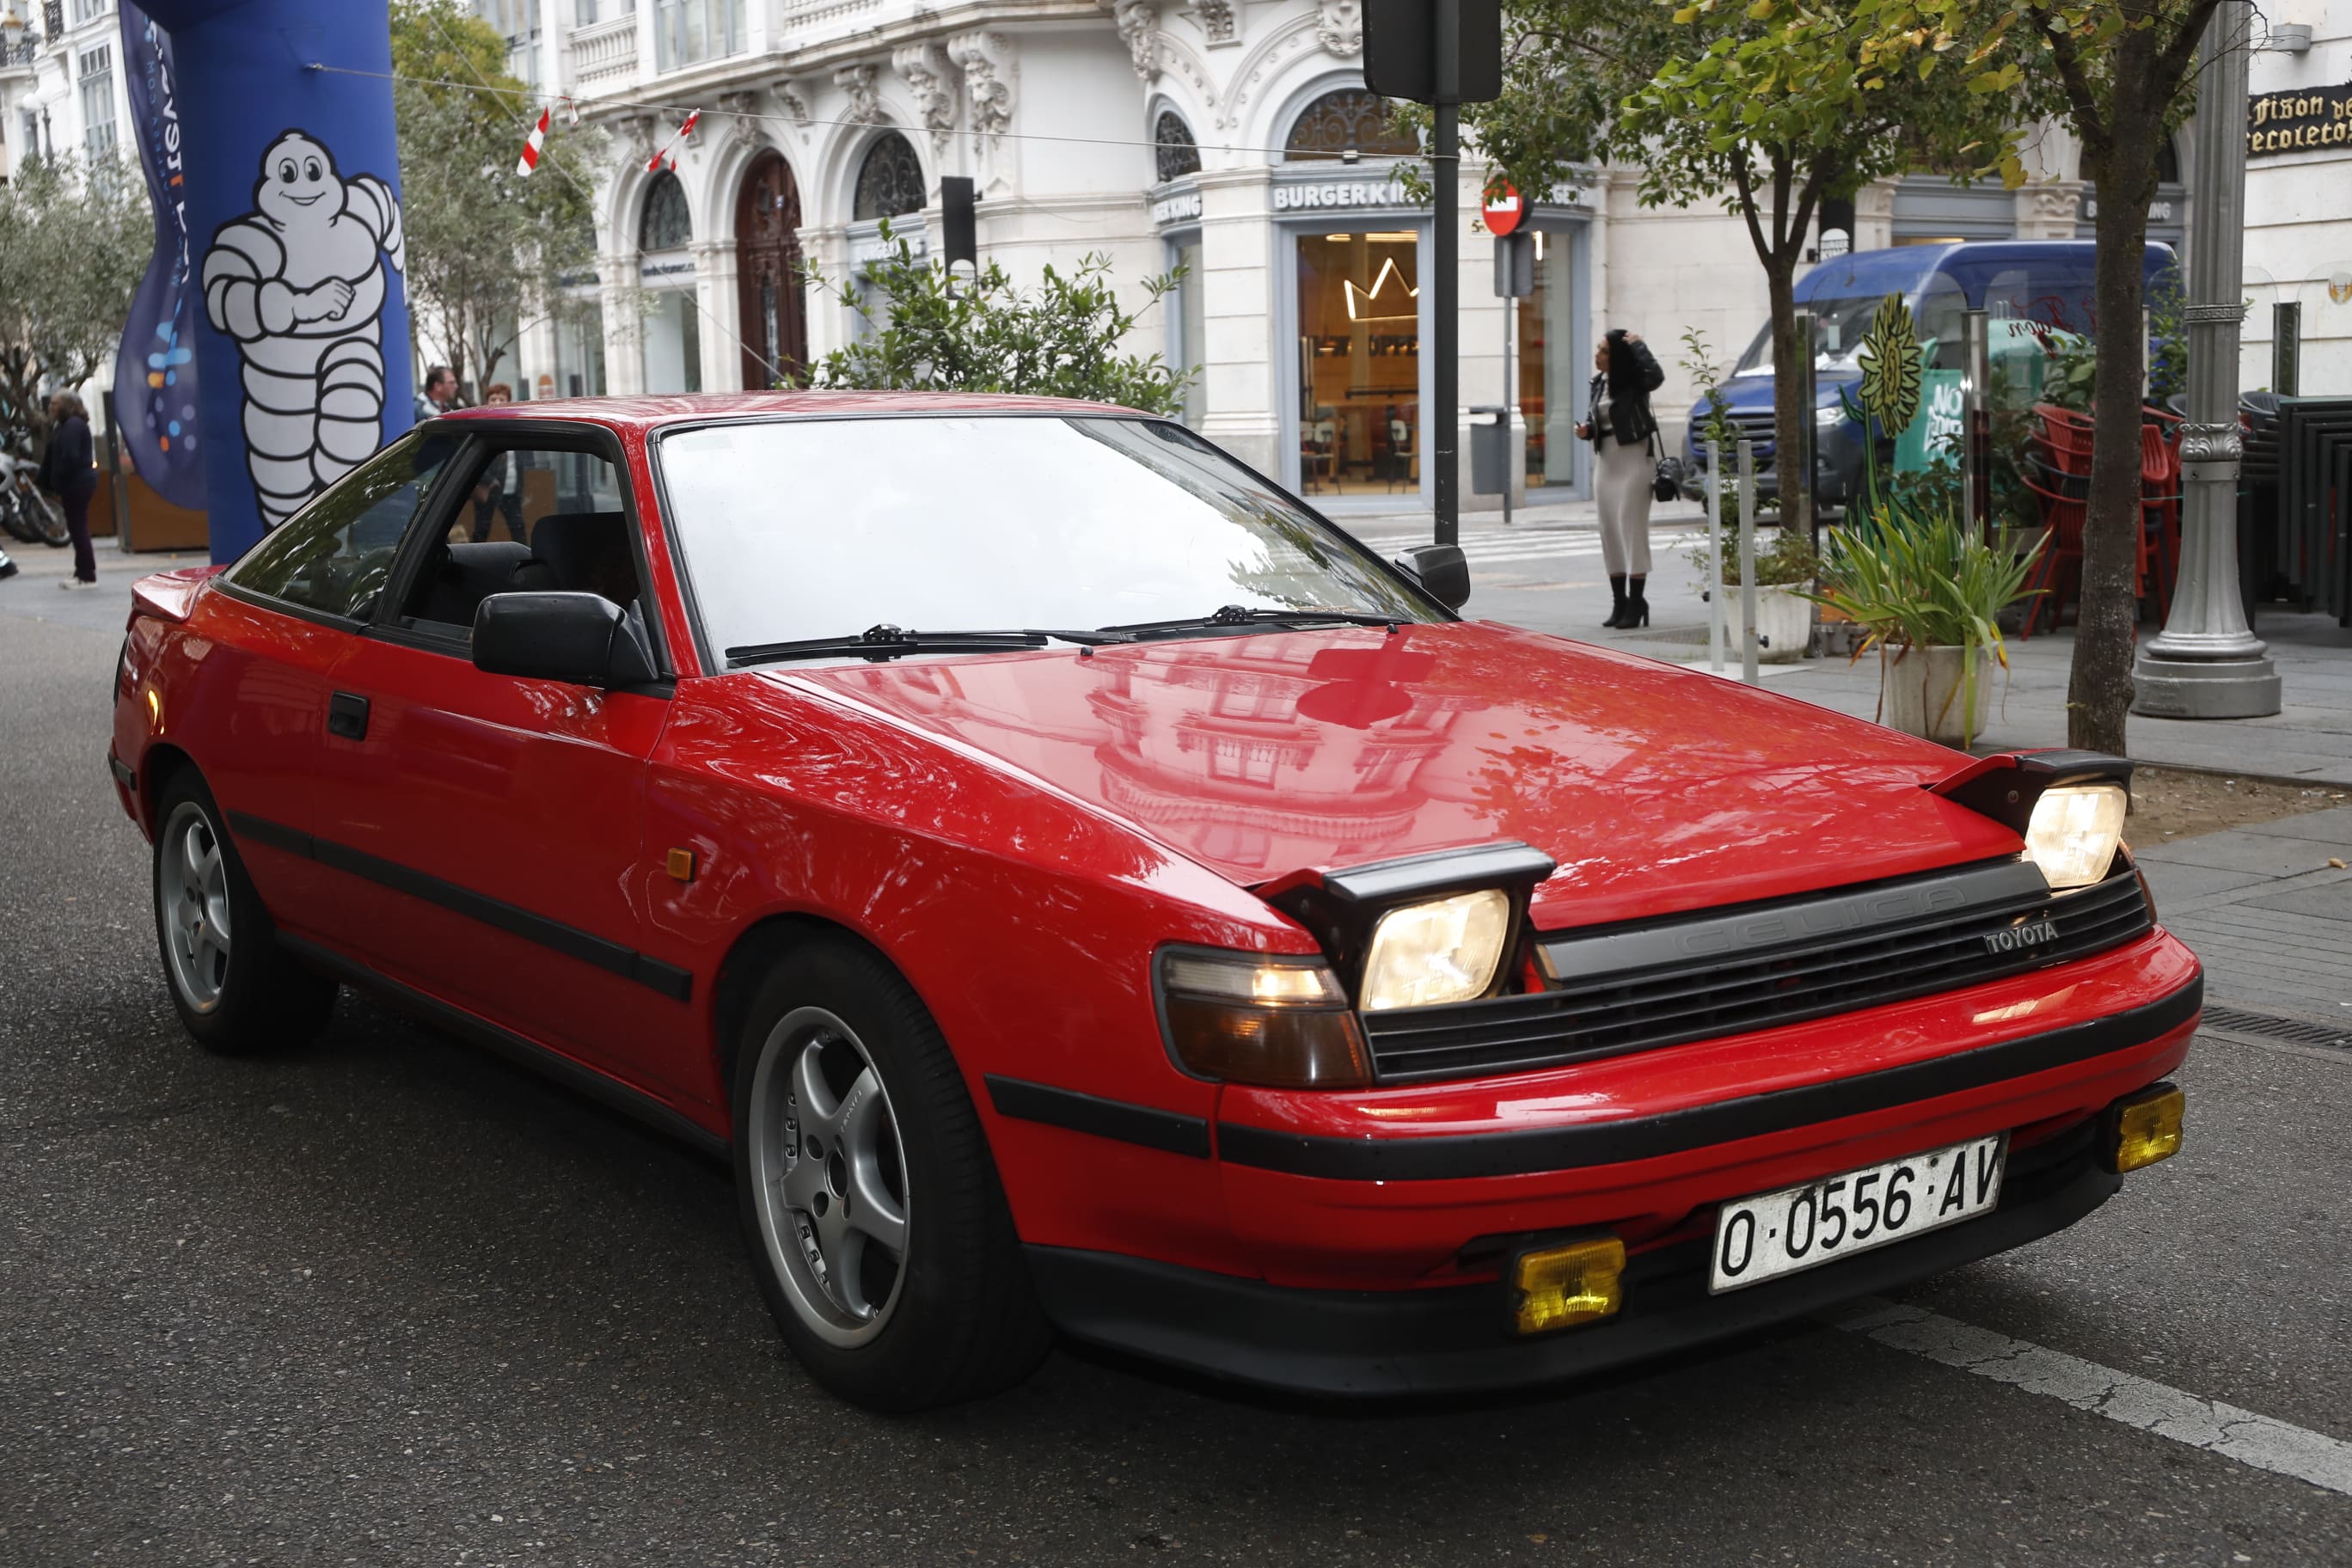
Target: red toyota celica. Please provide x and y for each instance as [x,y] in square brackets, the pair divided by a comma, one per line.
[1079,888]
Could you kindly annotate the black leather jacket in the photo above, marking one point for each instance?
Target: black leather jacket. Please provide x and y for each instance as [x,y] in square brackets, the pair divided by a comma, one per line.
[1631,420]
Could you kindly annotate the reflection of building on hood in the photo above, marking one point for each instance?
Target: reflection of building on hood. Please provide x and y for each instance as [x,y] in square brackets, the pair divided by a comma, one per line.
[300,283]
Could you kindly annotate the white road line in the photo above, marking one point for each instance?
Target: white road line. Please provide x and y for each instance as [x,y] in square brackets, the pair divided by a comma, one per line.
[2208,1424]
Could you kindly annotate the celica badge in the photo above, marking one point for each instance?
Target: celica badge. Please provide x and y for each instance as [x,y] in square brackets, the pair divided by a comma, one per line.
[2019,938]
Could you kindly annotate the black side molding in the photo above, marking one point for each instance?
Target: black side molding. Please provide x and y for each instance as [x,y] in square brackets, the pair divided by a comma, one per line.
[1436,1159]
[571,942]
[1165,1130]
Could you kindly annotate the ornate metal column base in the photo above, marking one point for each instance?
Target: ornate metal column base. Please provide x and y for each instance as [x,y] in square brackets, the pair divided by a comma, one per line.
[2205,689]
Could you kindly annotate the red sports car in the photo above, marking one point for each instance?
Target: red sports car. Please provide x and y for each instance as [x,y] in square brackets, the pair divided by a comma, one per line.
[1079,888]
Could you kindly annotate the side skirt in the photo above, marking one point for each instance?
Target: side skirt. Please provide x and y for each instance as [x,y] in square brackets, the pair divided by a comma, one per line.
[517,1048]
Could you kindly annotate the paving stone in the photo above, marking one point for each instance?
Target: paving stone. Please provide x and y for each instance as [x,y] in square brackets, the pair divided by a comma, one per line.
[2238,850]
[2332,902]
[2331,827]
[2176,884]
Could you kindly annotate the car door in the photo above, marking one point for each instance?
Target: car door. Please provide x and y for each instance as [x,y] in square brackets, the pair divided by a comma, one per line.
[274,639]
[493,835]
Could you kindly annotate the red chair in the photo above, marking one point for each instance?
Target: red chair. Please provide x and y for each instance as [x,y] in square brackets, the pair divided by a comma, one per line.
[2067,439]
[2060,569]
[2160,490]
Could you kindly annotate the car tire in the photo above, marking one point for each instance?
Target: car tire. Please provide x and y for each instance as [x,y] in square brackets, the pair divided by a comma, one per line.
[852,1127]
[239,992]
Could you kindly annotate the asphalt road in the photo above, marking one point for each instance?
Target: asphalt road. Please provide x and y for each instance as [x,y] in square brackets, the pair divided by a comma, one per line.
[392,1301]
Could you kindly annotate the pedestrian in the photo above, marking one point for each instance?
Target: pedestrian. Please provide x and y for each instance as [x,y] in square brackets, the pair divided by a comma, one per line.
[494,494]
[1621,428]
[69,472]
[440,392]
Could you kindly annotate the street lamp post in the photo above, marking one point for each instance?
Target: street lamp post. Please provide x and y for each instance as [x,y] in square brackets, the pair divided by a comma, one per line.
[2207,663]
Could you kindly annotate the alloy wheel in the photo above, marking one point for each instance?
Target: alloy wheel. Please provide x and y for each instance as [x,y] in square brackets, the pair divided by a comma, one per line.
[192,883]
[830,1193]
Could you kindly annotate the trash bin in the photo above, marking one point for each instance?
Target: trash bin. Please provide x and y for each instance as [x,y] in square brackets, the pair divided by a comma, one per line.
[1490,451]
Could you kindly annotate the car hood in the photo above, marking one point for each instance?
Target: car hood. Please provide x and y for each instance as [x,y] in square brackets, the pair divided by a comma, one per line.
[1655,788]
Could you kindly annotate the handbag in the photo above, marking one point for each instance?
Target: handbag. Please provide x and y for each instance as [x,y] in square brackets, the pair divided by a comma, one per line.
[1666,484]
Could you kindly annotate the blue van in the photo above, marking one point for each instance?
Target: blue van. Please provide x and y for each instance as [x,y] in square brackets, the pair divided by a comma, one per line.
[2044,280]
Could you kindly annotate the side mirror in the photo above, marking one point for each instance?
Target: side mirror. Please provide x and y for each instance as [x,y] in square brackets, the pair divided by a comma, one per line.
[584,638]
[1442,569]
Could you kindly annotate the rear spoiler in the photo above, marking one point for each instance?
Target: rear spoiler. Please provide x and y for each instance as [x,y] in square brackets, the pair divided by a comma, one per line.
[169,595]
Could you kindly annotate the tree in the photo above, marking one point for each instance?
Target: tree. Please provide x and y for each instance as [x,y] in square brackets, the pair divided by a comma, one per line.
[2122,69]
[1788,109]
[74,243]
[490,251]
[1061,339]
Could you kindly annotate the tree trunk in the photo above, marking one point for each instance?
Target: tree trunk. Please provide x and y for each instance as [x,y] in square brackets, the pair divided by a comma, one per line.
[2099,690]
[1789,412]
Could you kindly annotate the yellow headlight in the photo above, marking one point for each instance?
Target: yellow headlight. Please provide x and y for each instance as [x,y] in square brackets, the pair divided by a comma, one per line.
[1445,951]
[2148,1127]
[2073,833]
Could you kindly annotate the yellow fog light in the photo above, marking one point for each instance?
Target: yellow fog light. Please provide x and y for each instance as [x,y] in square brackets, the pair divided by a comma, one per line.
[1560,1287]
[2147,1127]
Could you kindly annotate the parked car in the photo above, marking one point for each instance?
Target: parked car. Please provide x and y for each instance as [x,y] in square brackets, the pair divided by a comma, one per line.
[2047,282]
[1080,888]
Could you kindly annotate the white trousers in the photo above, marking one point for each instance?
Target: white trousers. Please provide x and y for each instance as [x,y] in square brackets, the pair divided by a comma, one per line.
[1622,485]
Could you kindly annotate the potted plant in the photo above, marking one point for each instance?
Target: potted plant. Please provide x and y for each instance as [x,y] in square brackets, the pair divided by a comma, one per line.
[1785,567]
[1926,593]
[1924,589]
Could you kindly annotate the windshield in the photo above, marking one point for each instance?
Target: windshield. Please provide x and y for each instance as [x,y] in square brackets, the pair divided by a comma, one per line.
[1843,323]
[820,528]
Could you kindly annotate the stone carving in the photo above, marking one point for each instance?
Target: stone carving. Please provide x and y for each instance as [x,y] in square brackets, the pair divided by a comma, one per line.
[1138,23]
[1341,27]
[1216,19]
[795,106]
[989,73]
[930,76]
[864,104]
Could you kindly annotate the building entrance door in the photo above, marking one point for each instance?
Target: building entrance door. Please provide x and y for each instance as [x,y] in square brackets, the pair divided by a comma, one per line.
[1359,363]
[768,272]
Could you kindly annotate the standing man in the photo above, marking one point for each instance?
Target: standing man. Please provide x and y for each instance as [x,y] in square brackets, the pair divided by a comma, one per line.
[69,471]
[440,391]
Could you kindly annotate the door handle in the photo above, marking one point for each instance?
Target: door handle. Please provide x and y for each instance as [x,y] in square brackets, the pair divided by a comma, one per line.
[347,715]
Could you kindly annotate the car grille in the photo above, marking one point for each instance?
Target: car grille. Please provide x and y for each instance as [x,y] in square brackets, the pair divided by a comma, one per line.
[1757,428]
[1631,988]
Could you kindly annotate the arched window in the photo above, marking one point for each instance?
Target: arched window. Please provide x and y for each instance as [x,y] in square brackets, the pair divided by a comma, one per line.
[1174,155]
[890,181]
[1348,121]
[663,225]
[2168,162]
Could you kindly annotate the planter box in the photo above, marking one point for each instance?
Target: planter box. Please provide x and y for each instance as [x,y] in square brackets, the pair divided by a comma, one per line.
[1919,694]
[1785,624]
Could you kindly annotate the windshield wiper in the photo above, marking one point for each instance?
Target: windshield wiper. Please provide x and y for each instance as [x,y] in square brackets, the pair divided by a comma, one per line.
[1236,616]
[883,641]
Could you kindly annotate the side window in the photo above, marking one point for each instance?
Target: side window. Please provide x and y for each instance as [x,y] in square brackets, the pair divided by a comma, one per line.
[337,554]
[529,519]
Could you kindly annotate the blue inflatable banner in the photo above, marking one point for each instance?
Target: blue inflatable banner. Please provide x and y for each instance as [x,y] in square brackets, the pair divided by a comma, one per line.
[155,369]
[293,218]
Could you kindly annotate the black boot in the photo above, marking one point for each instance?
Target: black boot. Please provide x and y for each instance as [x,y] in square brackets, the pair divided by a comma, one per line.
[1637,607]
[1617,607]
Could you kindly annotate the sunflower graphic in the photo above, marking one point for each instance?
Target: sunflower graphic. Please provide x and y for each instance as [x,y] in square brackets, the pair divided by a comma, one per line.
[1891,366]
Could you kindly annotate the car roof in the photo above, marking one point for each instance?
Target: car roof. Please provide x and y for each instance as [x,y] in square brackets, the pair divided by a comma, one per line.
[649,411]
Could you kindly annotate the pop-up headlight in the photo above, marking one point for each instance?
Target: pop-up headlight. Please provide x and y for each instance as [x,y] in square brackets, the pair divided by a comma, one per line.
[2074,832]
[1443,950]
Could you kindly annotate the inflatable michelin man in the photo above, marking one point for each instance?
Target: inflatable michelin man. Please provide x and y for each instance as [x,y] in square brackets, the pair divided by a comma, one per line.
[299,282]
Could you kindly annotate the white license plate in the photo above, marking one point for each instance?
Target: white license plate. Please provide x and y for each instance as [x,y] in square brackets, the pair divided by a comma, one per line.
[1796,1228]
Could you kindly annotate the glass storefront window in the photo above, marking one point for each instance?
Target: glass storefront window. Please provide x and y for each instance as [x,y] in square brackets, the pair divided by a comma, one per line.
[673,344]
[1551,380]
[1192,330]
[1359,362]
[580,350]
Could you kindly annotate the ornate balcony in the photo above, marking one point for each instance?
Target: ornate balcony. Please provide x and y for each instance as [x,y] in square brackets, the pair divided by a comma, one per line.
[604,55]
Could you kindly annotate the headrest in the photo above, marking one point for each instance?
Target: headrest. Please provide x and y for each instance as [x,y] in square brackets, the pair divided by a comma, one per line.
[587,553]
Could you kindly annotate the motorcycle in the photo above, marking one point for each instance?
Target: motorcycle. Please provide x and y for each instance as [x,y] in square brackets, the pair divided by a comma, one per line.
[25,512]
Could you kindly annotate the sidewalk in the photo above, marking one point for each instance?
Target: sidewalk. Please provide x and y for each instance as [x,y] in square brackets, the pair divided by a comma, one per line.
[2268,916]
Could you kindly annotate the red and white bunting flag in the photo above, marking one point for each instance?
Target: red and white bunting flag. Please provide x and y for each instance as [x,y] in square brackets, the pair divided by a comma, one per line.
[571,114]
[654,164]
[532,145]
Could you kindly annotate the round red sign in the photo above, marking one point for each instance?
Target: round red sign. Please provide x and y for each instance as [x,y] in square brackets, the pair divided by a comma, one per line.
[1505,209]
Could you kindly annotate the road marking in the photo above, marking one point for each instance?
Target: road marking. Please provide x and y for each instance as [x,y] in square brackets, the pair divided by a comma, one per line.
[2208,1424]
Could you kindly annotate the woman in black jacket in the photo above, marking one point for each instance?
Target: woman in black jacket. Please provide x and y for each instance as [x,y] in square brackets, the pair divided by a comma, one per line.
[1619,425]
[69,472]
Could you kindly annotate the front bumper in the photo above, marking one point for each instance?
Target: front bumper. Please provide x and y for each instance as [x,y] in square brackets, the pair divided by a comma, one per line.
[1458,1339]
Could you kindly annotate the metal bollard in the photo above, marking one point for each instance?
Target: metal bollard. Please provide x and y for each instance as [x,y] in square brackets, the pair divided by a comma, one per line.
[1715,555]
[1748,560]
